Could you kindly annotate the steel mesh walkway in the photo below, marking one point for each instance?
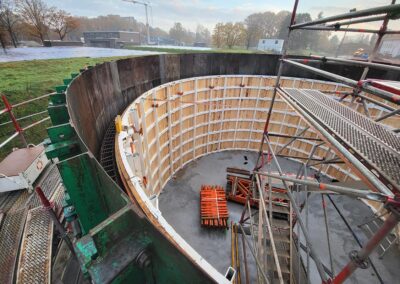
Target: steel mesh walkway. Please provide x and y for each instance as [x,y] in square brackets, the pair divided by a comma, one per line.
[28,233]
[36,247]
[49,185]
[10,236]
[35,257]
[373,144]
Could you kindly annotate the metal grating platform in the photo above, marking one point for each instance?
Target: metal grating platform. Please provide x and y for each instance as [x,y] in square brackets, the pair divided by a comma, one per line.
[374,145]
[36,246]
[49,184]
[21,202]
[26,236]
[107,152]
[35,256]
[10,236]
[8,199]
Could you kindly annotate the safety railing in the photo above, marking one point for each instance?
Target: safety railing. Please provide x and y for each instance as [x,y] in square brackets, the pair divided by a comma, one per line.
[15,121]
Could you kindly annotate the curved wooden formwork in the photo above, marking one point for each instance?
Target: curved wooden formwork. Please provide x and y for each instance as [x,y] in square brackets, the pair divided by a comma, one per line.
[173,124]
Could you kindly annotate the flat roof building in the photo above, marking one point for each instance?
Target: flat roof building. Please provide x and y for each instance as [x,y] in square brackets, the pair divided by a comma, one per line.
[111,39]
[272,45]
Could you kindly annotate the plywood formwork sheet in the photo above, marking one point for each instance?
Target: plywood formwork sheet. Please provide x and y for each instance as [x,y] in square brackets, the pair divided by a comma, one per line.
[186,119]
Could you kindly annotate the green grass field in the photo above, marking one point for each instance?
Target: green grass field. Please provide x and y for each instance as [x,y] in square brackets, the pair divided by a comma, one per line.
[25,80]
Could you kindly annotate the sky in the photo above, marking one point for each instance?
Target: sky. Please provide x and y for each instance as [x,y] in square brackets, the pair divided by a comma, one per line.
[205,12]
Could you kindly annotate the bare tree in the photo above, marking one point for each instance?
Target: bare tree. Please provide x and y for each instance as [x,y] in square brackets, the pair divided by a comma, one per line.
[2,40]
[218,36]
[177,32]
[229,34]
[254,29]
[203,34]
[182,35]
[233,34]
[9,19]
[36,14]
[62,23]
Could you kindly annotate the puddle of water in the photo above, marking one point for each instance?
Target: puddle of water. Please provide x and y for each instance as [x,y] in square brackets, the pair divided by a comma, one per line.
[37,53]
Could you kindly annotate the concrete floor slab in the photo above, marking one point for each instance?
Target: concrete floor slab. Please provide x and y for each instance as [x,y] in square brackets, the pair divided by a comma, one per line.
[179,204]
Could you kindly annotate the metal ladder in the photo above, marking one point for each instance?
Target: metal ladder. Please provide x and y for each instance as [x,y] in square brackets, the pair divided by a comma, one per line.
[371,227]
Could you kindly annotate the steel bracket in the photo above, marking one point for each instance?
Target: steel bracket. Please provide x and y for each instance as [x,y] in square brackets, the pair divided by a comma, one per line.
[361,263]
[57,98]
[67,81]
[60,133]
[86,250]
[63,150]
[58,113]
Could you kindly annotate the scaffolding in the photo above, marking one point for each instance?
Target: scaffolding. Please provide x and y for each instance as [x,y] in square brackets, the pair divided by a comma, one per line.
[385,94]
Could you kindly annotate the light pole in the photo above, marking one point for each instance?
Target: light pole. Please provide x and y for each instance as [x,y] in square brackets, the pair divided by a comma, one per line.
[145,4]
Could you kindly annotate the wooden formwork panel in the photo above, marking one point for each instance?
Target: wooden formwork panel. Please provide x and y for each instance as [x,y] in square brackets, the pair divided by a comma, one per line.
[193,117]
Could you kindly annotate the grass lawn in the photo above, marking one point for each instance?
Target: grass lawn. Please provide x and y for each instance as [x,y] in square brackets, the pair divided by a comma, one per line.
[24,80]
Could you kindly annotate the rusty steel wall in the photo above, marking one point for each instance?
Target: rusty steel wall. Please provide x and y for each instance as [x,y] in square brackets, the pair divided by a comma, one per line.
[99,94]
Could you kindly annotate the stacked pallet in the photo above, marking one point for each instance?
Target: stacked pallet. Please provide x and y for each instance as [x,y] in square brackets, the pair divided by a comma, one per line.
[213,207]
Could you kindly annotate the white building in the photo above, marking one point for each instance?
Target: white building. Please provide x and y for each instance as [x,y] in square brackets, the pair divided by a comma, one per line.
[274,45]
[390,46]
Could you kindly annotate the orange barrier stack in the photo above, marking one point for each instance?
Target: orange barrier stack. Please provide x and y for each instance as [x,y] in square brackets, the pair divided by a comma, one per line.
[240,188]
[213,207]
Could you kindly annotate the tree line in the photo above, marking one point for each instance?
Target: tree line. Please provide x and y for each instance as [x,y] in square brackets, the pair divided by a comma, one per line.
[270,25]
[33,19]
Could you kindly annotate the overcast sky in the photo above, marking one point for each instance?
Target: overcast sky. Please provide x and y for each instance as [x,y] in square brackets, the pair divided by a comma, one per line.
[206,12]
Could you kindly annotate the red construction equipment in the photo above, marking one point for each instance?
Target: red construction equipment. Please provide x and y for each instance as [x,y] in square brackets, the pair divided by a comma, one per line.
[213,207]
[239,186]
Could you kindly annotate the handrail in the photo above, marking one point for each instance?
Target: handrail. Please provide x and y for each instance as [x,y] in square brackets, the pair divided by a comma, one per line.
[18,129]
[26,102]
[24,117]
[34,99]
[365,87]
[356,62]
[388,9]
[9,139]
